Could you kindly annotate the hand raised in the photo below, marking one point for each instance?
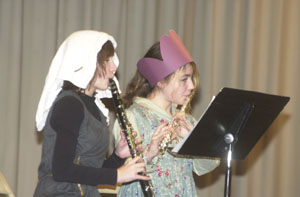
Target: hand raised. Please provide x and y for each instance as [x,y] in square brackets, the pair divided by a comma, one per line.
[183,125]
[156,139]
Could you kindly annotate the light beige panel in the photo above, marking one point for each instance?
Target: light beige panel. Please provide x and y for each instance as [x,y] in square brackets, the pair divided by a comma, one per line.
[10,81]
[38,46]
[243,44]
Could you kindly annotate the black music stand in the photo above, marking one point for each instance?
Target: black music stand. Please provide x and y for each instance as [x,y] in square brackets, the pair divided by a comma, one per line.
[231,126]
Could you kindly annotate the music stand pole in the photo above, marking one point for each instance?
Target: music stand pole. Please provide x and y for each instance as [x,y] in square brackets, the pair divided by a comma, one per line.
[228,138]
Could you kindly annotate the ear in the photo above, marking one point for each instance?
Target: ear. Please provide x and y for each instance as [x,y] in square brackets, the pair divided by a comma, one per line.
[161,84]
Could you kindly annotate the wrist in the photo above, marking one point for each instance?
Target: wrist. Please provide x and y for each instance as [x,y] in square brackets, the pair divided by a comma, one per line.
[118,176]
[147,156]
[182,134]
[117,154]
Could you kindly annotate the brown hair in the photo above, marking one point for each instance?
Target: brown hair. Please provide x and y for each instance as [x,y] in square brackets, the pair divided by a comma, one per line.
[139,85]
[106,51]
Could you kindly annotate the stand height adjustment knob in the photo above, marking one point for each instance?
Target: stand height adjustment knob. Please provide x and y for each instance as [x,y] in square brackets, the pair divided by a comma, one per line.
[228,138]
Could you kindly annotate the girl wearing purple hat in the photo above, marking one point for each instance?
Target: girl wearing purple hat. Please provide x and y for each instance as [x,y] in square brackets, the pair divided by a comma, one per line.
[166,78]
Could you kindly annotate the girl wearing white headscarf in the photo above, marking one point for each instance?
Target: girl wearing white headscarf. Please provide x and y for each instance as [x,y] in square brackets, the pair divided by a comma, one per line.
[74,120]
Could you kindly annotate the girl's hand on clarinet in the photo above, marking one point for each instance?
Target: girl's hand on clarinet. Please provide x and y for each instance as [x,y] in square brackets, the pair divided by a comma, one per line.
[138,142]
[133,170]
[122,149]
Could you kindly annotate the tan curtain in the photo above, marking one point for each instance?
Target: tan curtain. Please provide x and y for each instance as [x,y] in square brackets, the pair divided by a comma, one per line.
[245,44]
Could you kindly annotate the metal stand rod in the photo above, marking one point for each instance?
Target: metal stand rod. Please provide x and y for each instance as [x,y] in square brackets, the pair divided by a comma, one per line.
[228,172]
[228,139]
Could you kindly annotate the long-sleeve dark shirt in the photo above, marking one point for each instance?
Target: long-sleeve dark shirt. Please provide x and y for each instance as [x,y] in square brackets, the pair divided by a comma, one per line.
[66,120]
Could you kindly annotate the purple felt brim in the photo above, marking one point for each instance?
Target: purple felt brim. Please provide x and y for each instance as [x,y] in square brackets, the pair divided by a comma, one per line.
[174,56]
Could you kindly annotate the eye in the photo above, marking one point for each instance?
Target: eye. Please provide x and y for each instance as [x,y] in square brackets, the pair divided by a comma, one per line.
[184,79]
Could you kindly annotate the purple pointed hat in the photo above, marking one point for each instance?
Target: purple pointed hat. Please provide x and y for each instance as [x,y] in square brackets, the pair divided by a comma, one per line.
[174,55]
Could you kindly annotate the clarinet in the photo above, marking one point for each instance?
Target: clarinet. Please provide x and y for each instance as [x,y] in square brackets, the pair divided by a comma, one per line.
[147,186]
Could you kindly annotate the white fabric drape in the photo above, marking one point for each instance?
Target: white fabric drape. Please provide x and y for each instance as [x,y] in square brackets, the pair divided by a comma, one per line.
[244,44]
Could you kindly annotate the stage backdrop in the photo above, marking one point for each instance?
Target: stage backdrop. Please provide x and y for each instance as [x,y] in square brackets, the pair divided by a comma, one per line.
[246,44]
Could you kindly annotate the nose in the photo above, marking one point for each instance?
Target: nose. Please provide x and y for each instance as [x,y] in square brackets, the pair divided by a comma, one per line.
[191,85]
[113,67]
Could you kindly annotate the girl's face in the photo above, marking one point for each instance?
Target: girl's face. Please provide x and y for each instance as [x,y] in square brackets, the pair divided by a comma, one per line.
[180,86]
[103,76]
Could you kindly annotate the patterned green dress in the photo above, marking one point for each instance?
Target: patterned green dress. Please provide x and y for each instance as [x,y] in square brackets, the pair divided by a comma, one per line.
[170,175]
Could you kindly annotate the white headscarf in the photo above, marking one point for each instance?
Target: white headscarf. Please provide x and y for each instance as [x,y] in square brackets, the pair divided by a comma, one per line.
[75,61]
